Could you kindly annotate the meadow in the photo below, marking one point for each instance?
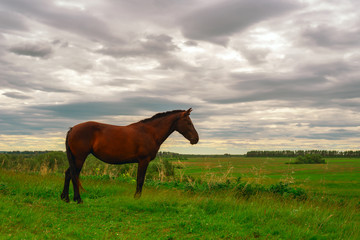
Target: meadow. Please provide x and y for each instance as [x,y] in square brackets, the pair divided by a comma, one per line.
[197,197]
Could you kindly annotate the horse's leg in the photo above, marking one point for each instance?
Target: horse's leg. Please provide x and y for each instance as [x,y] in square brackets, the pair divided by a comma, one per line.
[65,192]
[142,166]
[79,162]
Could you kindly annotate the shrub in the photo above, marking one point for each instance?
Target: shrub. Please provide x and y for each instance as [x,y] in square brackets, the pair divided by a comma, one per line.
[245,189]
[285,190]
[309,159]
[161,170]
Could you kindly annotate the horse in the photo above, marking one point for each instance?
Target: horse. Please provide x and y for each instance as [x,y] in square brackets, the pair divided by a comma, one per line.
[135,143]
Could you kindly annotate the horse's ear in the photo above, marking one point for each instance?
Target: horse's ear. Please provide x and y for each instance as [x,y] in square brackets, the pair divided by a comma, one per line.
[187,113]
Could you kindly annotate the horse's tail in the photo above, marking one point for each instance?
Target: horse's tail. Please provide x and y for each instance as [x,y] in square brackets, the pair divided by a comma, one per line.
[71,159]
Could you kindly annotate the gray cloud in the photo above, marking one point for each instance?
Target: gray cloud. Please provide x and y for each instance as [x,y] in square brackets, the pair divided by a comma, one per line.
[191,43]
[325,85]
[10,21]
[72,20]
[126,106]
[123,82]
[30,121]
[255,55]
[21,78]
[40,50]
[16,95]
[336,134]
[157,47]
[332,37]
[152,46]
[329,68]
[216,23]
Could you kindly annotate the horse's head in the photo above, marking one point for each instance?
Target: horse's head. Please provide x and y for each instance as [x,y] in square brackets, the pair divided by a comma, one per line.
[186,127]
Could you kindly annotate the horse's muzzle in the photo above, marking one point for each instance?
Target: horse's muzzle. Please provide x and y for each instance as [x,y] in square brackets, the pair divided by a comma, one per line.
[194,140]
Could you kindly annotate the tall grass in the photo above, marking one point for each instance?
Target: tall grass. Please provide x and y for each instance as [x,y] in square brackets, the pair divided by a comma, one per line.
[34,162]
[56,162]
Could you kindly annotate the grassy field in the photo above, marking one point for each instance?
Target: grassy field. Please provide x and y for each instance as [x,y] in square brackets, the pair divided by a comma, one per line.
[30,206]
[340,177]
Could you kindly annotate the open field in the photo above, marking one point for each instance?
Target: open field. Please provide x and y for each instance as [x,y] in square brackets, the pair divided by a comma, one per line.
[30,206]
[339,177]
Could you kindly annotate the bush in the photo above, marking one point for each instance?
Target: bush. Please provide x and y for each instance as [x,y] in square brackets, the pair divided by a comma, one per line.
[285,190]
[161,170]
[245,190]
[309,159]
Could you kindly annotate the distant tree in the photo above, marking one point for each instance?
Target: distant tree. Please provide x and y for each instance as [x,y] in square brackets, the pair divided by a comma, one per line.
[289,153]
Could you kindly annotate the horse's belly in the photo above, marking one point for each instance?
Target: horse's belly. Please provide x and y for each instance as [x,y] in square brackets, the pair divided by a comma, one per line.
[118,161]
[115,159]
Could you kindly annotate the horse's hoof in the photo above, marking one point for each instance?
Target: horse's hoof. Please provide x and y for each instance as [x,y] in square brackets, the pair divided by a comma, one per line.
[65,198]
[78,200]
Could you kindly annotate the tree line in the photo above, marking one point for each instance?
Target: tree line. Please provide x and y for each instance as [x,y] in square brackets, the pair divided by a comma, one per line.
[295,153]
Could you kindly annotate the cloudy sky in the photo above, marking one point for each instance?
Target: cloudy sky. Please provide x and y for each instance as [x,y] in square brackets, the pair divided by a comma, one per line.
[260,75]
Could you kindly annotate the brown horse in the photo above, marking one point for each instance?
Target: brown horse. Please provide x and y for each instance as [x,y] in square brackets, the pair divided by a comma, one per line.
[136,143]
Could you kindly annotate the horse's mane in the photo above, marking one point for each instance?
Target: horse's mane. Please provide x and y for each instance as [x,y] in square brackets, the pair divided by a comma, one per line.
[160,115]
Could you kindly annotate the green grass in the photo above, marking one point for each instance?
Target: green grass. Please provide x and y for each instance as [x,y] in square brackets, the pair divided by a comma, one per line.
[208,198]
[340,175]
[30,208]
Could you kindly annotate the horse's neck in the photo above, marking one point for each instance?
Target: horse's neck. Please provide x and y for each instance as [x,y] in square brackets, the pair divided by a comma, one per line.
[163,127]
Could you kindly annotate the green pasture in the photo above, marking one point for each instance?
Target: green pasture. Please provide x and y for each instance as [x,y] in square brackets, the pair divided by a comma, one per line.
[177,206]
[30,208]
[339,176]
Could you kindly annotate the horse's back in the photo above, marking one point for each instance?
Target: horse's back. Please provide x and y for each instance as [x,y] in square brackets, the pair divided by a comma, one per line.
[85,129]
